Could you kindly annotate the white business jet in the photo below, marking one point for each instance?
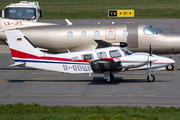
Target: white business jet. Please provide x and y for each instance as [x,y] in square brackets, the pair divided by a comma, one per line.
[103,60]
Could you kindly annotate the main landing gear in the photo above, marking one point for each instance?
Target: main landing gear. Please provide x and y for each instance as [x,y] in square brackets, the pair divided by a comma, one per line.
[108,77]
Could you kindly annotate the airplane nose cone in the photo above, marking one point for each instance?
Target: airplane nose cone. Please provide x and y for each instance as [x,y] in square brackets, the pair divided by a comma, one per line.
[164,60]
[172,61]
[169,61]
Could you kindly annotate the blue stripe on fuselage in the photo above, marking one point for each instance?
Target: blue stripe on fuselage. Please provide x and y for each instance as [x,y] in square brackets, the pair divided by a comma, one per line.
[49,62]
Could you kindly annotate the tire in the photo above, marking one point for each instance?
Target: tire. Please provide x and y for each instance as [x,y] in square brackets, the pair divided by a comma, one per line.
[170,67]
[151,79]
[112,77]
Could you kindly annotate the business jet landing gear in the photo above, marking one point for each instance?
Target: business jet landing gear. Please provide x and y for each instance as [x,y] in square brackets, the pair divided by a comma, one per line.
[150,78]
[108,76]
[170,67]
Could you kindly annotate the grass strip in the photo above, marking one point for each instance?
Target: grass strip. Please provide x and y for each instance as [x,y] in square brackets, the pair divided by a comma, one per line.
[92,9]
[37,112]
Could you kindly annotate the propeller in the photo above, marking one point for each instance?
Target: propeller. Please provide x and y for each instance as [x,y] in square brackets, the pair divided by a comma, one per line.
[150,50]
[151,58]
[150,54]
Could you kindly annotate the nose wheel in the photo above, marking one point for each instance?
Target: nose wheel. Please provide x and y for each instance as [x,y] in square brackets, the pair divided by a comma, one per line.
[150,78]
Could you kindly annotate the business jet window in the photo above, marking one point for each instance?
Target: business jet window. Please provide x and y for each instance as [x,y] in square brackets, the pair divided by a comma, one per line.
[87,57]
[125,33]
[83,34]
[110,33]
[96,34]
[69,34]
[101,55]
[149,31]
[115,53]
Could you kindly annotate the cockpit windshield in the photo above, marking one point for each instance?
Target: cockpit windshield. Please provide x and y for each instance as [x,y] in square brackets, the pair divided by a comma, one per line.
[156,29]
[126,51]
[20,13]
[149,31]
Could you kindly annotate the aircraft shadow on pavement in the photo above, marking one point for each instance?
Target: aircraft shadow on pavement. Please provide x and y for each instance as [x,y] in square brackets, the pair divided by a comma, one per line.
[119,80]
[116,81]
[95,81]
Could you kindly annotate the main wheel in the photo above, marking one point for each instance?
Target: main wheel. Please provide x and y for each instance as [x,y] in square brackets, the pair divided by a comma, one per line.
[170,67]
[151,78]
[111,78]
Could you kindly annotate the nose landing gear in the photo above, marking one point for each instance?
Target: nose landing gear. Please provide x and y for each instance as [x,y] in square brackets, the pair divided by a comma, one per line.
[150,78]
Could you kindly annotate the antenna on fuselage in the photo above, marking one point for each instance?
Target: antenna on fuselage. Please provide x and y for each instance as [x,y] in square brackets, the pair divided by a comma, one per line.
[68,22]
[92,46]
[67,49]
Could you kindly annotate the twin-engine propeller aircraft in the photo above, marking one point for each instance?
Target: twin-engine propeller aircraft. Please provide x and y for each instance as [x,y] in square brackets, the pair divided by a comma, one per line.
[103,60]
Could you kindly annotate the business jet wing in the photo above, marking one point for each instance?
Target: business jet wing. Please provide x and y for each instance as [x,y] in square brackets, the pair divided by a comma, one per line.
[103,43]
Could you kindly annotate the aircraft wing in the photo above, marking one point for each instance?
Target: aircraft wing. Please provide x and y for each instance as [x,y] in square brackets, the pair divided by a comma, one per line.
[103,43]
[107,64]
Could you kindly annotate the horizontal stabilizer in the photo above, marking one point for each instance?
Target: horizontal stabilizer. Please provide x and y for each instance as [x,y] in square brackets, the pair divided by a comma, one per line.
[17,64]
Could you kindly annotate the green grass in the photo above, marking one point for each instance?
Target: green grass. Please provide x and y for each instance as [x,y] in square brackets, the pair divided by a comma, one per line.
[91,9]
[37,112]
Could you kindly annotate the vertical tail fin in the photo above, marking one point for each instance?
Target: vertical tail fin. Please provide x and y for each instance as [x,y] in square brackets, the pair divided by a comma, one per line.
[20,46]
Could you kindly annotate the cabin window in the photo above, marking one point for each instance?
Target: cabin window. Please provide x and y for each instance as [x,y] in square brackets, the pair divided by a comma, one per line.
[83,34]
[69,34]
[115,53]
[101,55]
[125,33]
[149,31]
[110,34]
[74,58]
[87,57]
[96,34]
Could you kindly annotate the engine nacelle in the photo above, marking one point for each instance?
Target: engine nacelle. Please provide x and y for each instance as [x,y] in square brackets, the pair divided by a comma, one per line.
[100,66]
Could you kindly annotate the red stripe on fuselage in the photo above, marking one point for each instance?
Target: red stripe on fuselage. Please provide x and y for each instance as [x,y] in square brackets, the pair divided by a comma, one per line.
[108,59]
[19,54]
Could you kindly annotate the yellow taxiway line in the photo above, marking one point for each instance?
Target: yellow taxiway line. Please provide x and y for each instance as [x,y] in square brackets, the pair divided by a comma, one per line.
[135,95]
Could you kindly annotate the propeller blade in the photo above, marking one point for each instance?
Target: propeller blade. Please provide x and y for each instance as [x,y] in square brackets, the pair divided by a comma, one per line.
[150,50]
